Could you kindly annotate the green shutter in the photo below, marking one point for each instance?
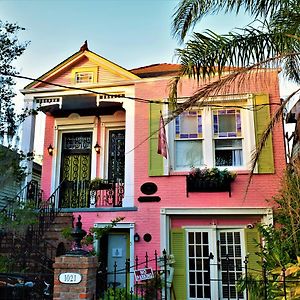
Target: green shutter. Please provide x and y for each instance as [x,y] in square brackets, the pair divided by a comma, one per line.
[252,239]
[156,164]
[261,121]
[178,247]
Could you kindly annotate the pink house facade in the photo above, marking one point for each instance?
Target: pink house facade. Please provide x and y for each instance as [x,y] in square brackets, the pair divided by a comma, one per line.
[90,101]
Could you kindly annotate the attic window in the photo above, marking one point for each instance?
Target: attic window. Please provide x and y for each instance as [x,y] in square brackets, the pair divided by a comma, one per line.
[84,77]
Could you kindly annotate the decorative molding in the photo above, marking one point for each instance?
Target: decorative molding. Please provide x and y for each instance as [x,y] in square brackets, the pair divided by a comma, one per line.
[46,101]
[217,211]
[115,97]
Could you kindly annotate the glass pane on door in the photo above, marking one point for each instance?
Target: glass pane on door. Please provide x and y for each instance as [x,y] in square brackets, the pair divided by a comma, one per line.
[198,265]
[231,264]
[76,174]
[116,160]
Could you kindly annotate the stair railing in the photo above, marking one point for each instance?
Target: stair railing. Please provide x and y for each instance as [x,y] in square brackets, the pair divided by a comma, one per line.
[33,240]
[31,191]
[48,210]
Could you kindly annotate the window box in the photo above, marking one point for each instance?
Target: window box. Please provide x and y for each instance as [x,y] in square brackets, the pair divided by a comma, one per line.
[209,180]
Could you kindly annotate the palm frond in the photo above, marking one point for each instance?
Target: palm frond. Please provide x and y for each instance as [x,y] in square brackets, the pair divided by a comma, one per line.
[274,119]
[185,17]
[173,87]
[209,54]
[210,89]
[189,12]
[287,20]
[199,98]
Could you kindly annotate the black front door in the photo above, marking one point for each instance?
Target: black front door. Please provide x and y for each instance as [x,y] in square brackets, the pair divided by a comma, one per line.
[75,169]
[116,160]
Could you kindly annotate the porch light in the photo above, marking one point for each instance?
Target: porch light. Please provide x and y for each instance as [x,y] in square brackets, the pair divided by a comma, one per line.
[136,237]
[97,148]
[50,150]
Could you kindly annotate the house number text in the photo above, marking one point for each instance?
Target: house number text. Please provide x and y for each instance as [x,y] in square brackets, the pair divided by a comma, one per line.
[71,278]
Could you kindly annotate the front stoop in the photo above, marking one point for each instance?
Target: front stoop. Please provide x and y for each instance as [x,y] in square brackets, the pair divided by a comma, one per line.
[53,234]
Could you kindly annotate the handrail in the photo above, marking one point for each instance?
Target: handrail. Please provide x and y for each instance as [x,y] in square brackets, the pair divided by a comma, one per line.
[9,200]
[48,210]
[33,237]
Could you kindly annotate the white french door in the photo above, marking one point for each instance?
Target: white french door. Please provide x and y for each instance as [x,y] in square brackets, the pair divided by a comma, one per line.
[215,263]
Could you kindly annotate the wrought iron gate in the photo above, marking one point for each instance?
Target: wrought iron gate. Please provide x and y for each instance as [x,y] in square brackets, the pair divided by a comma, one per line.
[76,169]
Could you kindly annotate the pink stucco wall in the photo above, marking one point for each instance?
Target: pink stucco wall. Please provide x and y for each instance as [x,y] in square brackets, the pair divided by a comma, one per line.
[172,189]
[47,159]
[261,188]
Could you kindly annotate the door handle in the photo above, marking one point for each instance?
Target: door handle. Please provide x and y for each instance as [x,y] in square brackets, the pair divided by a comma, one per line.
[211,256]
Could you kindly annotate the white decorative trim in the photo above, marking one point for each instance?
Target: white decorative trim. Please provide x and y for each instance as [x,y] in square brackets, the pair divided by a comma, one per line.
[71,125]
[220,98]
[115,97]
[216,211]
[46,101]
[165,213]
[27,135]
[248,130]
[166,162]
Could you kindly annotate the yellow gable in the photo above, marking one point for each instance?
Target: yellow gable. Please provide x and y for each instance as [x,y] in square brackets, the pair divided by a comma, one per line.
[84,68]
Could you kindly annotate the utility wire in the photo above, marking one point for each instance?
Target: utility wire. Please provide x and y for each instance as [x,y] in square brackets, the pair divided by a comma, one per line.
[141,100]
[81,89]
[137,99]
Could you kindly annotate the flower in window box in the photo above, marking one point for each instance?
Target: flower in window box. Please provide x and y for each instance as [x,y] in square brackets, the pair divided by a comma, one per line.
[209,179]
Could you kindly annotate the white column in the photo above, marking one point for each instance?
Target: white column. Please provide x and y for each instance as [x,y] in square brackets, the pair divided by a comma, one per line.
[28,130]
[164,231]
[208,137]
[129,154]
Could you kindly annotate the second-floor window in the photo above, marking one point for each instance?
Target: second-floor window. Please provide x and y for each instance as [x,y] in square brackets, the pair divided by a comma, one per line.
[188,140]
[209,137]
[228,150]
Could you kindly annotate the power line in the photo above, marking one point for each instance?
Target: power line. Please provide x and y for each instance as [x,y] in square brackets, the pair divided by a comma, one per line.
[82,89]
[142,100]
[137,99]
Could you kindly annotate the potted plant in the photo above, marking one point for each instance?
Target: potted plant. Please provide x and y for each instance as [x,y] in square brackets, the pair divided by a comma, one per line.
[97,184]
[209,180]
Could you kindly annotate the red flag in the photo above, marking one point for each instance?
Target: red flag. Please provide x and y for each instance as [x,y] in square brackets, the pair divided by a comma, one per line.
[162,138]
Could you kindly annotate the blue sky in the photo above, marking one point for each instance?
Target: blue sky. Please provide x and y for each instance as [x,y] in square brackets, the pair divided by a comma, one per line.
[131,33]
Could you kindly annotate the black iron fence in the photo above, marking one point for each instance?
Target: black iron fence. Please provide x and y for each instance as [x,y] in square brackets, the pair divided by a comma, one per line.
[232,281]
[24,249]
[77,194]
[236,280]
[111,194]
[148,283]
